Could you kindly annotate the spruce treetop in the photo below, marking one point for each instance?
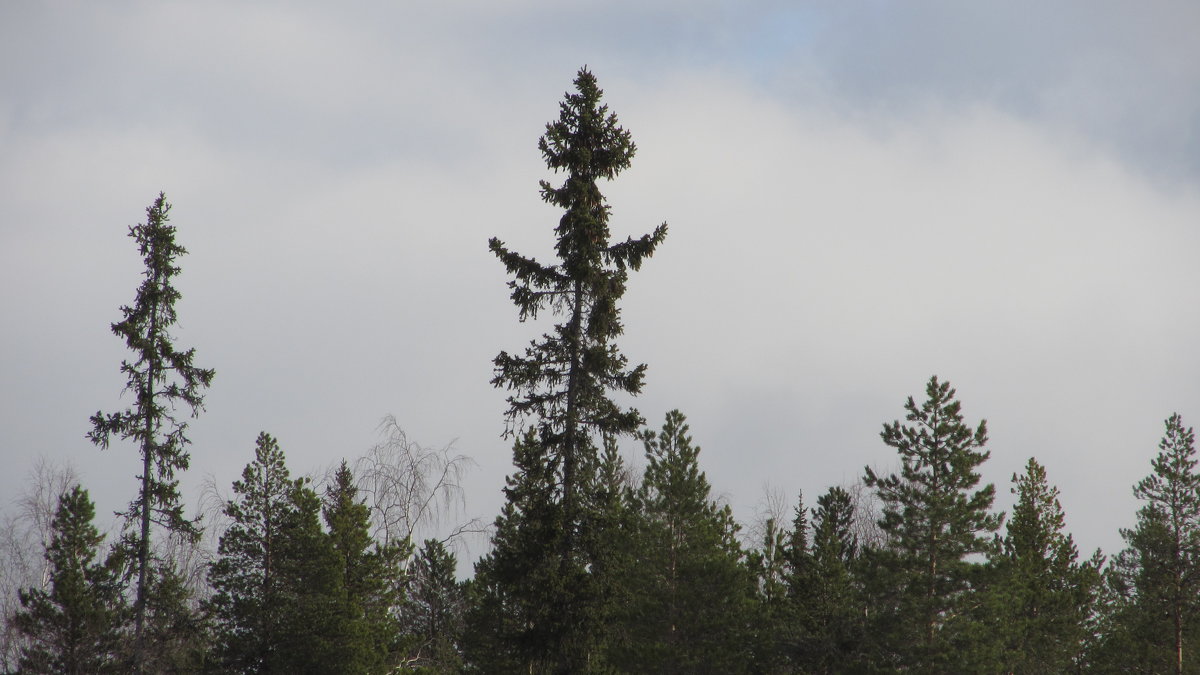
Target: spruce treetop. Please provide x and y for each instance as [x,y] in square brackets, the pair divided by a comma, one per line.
[564,379]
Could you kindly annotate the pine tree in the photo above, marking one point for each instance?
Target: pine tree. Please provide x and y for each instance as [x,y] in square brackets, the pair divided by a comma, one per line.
[75,626]
[370,583]
[162,377]
[1156,581]
[275,577]
[1175,488]
[564,382]
[434,614]
[1043,595]
[935,521]
[691,587]
[245,576]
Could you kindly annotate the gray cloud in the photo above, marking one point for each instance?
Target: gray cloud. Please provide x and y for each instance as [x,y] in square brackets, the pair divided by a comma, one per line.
[857,199]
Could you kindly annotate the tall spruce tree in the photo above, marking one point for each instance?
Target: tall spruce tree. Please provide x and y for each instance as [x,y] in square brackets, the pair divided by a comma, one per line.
[162,378]
[1155,582]
[935,521]
[74,627]
[563,383]
[1042,595]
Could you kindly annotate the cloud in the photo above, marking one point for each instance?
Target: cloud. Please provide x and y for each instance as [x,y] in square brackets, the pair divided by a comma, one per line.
[1126,77]
[848,216]
[818,271]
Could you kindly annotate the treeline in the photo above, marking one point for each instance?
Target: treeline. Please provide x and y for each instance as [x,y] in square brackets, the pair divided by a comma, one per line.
[592,567]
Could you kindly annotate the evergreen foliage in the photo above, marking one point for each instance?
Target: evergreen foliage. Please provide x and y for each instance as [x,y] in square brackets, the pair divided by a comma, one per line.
[835,609]
[691,589]
[276,574]
[311,595]
[1042,595]
[564,382]
[513,626]
[935,521]
[798,553]
[1154,584]
[773,619]
[613,550]
[162,378]
[818,627]
[178,632]
[793,635]
[371,582]
[74,627]
[434,613]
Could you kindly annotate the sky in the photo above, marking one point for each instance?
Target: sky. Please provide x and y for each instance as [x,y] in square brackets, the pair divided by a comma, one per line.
[859,195]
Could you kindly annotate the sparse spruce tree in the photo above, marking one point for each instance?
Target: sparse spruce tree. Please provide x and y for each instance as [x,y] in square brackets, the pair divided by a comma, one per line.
[563,383]
[935,520]
[162,378]
[75,626]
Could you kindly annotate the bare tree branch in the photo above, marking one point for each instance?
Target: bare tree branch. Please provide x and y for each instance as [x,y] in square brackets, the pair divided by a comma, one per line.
[414,491]
[24,536]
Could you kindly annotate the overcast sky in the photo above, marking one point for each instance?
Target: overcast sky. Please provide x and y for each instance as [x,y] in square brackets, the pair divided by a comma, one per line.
[859,195]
